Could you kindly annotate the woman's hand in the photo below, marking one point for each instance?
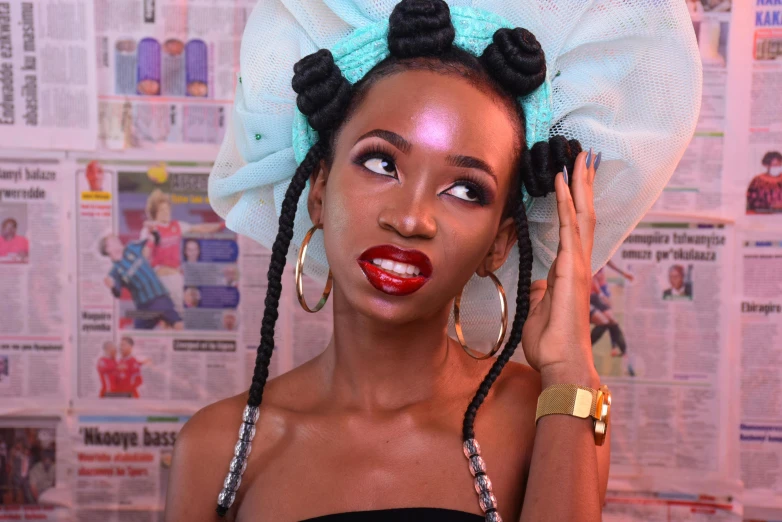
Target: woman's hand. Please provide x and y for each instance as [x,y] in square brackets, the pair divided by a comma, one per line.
[556,338]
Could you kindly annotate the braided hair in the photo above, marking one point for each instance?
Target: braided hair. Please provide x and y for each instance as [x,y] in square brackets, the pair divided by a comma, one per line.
[420,37]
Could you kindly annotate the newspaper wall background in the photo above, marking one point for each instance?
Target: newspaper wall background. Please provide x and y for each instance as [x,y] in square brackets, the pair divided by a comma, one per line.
[121,465]
[653,311]
[127,305]
[47,76]
[35,223]
[167,72]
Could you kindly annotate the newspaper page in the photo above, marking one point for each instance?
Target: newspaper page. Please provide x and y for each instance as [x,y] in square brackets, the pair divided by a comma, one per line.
[33,280]
[759,311]
[167,71]
[47,77]
[122,465]
[654,311]
[33,482]
[254,267]
[759,514]
[696,185]
[669,507]
[754,156]
[158,286]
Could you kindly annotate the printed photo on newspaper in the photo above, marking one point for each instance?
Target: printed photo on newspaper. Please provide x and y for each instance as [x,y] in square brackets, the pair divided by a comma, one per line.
[158,285]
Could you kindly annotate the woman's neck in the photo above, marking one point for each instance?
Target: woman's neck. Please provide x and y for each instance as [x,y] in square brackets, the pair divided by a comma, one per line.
[371,364]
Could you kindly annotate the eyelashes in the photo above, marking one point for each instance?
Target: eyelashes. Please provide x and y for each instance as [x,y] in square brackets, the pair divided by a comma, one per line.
[381,160]
[377,152]
[473,183]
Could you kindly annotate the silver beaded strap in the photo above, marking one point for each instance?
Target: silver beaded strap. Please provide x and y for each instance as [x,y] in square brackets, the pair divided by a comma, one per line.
[486,499]
[239,463]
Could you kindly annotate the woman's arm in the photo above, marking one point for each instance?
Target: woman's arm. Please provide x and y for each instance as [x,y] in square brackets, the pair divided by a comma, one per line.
[567,472]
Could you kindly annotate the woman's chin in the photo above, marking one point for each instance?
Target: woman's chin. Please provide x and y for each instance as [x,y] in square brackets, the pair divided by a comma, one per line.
[394,311]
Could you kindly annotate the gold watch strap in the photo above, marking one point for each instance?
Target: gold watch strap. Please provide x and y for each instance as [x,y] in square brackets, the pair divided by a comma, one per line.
[568,399]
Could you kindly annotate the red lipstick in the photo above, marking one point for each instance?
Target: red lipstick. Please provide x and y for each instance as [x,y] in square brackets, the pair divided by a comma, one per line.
[389,282]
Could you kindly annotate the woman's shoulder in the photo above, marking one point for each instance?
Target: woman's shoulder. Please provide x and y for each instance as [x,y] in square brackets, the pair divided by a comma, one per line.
[205,446]
[514,397]
[218,424]
[518,379]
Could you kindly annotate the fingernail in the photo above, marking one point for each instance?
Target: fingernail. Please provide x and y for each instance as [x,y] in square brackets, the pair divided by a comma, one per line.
[597,159]
[564,176]
[589,158]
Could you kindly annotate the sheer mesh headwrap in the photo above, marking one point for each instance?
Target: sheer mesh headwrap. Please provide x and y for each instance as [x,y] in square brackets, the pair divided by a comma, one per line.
[622,77]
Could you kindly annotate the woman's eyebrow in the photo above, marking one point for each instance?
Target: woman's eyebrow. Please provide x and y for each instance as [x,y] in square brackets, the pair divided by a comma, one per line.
[470,162]
[391,137]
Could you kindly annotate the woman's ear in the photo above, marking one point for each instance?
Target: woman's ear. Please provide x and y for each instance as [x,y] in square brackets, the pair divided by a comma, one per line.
[501,247]
[317,193]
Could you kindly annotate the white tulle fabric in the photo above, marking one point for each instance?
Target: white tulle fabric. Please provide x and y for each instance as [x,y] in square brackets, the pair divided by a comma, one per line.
[626,80]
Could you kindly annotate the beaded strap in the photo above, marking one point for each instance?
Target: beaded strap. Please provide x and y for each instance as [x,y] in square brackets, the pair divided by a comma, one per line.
[486,499]
[239,463]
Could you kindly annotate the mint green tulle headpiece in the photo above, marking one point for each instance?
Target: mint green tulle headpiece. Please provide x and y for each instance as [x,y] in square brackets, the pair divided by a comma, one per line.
[624,79]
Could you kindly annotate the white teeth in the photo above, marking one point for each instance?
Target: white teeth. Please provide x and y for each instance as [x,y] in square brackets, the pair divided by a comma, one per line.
[396,267]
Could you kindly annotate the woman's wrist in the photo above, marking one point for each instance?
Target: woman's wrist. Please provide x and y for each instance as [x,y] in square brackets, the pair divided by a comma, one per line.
[583,374]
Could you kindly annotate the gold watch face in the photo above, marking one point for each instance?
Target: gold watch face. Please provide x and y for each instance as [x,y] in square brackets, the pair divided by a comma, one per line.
[604,412]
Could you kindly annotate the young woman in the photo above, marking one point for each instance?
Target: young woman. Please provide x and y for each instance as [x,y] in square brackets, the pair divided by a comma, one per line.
[423,145]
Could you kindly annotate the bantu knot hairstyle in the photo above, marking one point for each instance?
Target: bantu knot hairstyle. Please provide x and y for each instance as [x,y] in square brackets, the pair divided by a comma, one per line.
[420,28]
[544,160]
[513,63]
[323,93]
[516,60]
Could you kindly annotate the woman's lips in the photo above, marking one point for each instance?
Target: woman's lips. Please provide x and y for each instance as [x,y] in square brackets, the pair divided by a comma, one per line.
[386,280]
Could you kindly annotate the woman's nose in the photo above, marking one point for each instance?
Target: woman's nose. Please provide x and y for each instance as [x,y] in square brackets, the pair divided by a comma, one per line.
[410,213]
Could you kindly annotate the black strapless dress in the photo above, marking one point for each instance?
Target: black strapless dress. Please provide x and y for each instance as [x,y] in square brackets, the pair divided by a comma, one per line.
[401,515]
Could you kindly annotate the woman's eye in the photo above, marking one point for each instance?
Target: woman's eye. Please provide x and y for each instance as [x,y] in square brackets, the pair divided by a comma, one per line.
[465,192]
[382,166]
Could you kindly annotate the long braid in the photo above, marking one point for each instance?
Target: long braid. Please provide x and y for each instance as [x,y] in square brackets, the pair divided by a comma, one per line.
[276,268]
[516,61]
[323,96]
[522,309]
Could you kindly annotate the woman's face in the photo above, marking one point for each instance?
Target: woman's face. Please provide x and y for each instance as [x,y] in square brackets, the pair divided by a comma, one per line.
[425,163]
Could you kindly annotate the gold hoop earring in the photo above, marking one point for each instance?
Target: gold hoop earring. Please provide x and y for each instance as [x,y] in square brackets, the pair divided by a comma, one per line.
[300,273]
[503,326]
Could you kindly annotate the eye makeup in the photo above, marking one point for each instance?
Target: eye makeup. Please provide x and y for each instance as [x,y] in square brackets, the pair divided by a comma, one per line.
[482,193]
[375,151]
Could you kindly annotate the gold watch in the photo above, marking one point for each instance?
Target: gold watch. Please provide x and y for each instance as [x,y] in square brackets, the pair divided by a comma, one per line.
[578,401]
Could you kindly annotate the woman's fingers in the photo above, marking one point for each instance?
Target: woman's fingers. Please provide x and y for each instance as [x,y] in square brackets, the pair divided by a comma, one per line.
[569,234]
[581,188]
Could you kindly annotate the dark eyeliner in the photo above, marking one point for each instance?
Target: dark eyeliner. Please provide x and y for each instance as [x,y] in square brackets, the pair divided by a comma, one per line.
[484,196]
[375,151]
